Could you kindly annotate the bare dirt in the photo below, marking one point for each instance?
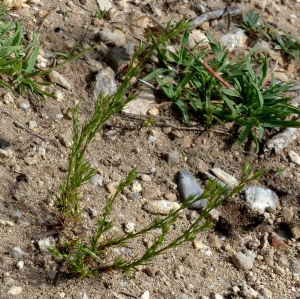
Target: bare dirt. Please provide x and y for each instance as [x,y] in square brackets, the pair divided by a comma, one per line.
[32,169]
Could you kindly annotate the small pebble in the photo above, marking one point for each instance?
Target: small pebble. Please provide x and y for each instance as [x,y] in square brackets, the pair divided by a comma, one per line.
[129,227]
[145,178]
[58,79]
[97,180]
[294,157]
[215,296]
[173,158]
[160,207]
[187,186]
[14,290]
[20,265]
[45,243]
[16,252]
[151,138]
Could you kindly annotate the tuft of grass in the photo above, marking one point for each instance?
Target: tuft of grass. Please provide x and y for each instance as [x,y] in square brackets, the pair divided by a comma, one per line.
[18,58]
[252,103]
[280,39]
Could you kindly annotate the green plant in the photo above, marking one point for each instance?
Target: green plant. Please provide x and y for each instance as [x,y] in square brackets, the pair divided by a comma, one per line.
[18,59]
[86,257]
[280,39]
[250,103]
[101,14]
[79,170]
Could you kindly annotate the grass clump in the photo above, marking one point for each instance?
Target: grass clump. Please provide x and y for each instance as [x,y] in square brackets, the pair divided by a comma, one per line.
[18,58]
[249,100]
[280,39]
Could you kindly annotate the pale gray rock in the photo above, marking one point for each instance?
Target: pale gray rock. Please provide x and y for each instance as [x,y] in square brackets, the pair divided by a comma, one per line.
[173,158]
[58,79]
[16,252]
[187,186]
[261,198]
[294,157]
[123,250]
[97,180]
[283,139]
[243,261]
[142,104]
[116,38]
[105,82]
[92,212]
[160,207]
[129,227]
[104,5]
[66,139]
[235,39]
[225,177]
[120,57]
[22,103]
[14,291]
[45,243]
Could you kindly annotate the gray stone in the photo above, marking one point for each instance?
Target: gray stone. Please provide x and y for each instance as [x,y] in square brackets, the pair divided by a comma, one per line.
[294,157]
[14,290]
[66,139]
[111,135]
[160,207]
[96,180]
[16,252]
[92,212]
[145,178]
[261,198]
[129,227]
[142,104]
[187,186]
[235,39]
[133,195]
[225,177]
[45,243]
[123,250]
[283,139]
[183,296]
[58,79]
[119,57]
[105,82]
[104,5]
[173,158]
[116,38]
[22,103]
[243,261]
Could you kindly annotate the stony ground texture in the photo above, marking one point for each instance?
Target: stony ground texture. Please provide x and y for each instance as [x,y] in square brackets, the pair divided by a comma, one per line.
[247,254]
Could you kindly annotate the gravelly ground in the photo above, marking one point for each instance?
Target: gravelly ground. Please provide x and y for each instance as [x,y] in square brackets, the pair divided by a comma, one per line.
[184,272]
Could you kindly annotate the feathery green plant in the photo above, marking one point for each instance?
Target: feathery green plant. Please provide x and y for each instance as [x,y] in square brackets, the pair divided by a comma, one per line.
[87,256]
[79,170]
